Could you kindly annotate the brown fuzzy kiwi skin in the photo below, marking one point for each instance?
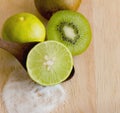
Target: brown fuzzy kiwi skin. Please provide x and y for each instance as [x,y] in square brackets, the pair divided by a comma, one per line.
[48,7]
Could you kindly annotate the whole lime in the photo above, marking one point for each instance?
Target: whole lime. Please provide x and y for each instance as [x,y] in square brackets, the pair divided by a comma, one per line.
[23,28]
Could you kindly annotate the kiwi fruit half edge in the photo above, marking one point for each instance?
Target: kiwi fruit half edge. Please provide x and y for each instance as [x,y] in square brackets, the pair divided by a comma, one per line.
[70,28]
[48,7]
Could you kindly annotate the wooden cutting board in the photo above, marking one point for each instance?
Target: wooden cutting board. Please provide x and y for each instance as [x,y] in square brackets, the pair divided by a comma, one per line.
[95,88]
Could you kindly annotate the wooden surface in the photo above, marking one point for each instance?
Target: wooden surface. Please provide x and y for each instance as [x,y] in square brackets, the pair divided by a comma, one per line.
[95,88]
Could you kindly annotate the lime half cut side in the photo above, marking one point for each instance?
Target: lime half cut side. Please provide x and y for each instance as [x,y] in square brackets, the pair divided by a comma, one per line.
[49,63]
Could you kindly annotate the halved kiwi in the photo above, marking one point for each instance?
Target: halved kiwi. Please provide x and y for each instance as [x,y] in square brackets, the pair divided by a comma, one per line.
[70,28]
[48,7]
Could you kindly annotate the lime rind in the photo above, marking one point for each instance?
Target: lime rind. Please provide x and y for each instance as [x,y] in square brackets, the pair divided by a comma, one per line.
[23,28]
[57,72]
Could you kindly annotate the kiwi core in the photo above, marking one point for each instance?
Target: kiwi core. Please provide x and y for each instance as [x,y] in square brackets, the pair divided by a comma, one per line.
[48,62]
[68,32]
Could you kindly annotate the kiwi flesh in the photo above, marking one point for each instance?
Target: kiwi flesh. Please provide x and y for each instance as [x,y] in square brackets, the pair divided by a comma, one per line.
[70,28]
[47,7]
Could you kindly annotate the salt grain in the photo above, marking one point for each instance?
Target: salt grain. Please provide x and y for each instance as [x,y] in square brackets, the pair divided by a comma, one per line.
[22,95]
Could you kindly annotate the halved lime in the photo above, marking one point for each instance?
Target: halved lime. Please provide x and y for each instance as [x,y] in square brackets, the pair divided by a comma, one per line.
[49,63]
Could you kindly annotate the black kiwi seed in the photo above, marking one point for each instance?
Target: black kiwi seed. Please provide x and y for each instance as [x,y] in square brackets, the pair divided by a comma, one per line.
[63,36]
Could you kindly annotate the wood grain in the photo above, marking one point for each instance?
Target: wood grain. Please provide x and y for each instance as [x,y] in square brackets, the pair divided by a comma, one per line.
[95,88]
[106,17]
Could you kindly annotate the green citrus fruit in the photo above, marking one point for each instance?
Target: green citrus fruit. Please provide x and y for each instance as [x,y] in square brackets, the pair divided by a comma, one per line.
[23,28]
[49,63]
